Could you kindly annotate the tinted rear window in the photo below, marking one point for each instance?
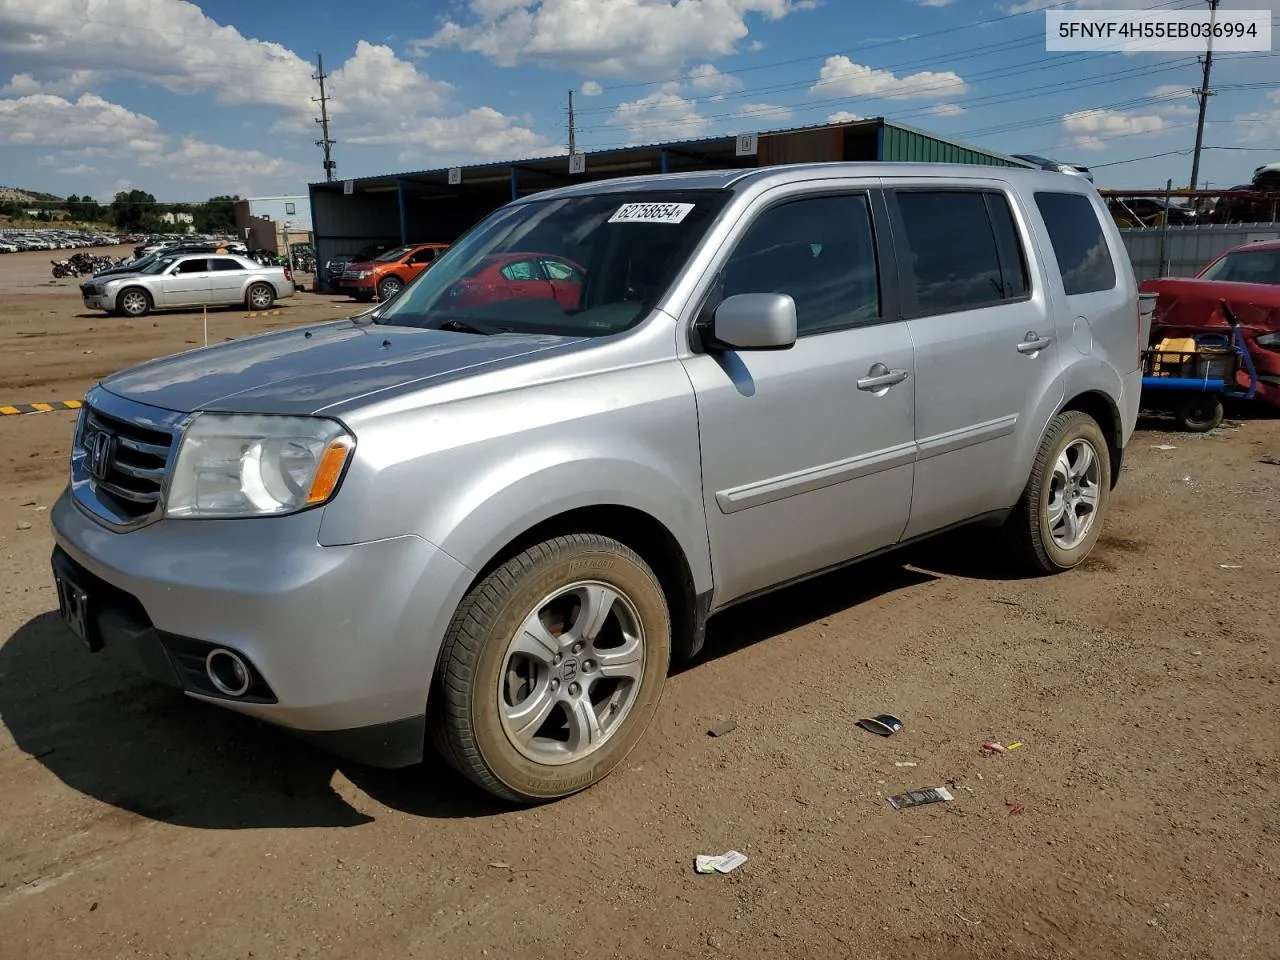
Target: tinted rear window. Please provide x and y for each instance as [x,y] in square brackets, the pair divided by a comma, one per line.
[964,253]
[1078,242]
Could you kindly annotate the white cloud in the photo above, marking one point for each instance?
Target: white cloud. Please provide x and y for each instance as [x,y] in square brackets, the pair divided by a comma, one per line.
[480,134]
[705,78]
[661,115]
[377,96]
[841,77]
[762,112]
[946,110]
[1092,128]
[606,37]
[592,89]
[43,119]
[79,170]
[1274,95]
[1172,91]
[843,116]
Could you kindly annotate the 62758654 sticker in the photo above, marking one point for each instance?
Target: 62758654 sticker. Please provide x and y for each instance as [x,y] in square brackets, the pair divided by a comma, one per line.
[651,213]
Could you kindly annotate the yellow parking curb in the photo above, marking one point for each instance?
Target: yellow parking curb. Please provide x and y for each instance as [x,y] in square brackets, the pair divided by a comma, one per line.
[13,409]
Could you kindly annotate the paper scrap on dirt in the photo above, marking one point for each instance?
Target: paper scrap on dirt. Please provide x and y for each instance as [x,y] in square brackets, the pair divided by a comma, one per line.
[724,863]
[918,798]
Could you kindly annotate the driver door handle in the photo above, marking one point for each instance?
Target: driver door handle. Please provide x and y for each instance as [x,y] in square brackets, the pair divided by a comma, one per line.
[880,376]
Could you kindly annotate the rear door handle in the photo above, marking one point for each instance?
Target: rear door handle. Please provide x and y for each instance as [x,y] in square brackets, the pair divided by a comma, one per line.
[880,377]
[1034,343]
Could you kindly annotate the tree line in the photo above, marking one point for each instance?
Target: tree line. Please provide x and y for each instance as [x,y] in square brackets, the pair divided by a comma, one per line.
[132,211]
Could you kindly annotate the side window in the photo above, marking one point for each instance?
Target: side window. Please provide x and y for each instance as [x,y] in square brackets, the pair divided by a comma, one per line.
[221,264]
[1013,259]
[1079,244]
[290,209]
[953,251]
[424,256]
[520,270]
[820,251]
[561,271]
[193,266]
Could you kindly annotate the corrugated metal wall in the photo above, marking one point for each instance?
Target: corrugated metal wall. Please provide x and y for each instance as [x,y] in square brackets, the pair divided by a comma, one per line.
[1189,248]
[907,145]
[805,146]
[345,224]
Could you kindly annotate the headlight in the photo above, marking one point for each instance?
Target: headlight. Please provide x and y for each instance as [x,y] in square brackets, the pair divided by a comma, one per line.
[363,274]
[235,465]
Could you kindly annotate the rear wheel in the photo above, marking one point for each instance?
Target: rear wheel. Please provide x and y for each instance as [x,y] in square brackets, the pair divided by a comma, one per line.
[552,668]
[134,302]
[1200,413]
[260,296]
[1057,521]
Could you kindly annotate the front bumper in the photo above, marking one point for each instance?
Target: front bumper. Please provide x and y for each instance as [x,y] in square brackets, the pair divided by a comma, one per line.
[98,303]
[344,639]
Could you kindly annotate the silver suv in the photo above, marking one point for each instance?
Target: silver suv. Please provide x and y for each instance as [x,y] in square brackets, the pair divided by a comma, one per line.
[491,511]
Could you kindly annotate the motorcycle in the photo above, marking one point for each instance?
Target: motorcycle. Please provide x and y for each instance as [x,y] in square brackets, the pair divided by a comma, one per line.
[63,269]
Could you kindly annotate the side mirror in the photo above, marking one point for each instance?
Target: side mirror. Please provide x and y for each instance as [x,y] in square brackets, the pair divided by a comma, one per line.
[755,321]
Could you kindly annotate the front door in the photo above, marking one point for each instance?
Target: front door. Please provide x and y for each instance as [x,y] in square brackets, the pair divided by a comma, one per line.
[988,361]
[187,284]
[807,453]
[419,261]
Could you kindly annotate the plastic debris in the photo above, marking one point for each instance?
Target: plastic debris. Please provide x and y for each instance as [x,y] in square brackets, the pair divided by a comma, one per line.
[1231,566]
[885,725]
[918,798]
[904,763]
[721,728]
[993,747]
[1015,808]
[724,863]
[1015,745]
[1163,446]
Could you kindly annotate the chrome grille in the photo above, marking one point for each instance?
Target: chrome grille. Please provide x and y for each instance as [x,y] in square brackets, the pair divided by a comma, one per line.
[121,459]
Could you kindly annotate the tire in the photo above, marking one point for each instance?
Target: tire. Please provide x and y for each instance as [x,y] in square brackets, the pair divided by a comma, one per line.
[1035,539]
[484,675]
[260,296]
[1200,413]
[133,302]
[389,287]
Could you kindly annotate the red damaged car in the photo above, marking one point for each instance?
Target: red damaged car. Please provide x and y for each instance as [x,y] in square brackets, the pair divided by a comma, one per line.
[1248,278]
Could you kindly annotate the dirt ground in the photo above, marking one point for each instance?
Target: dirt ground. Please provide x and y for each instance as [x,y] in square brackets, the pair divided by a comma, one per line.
[1140,818]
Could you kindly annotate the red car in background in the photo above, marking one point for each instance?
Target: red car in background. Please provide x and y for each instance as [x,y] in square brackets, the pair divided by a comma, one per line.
[1248,278]
[520,276]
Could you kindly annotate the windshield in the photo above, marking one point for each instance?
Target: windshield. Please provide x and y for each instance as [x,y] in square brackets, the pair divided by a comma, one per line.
[1246,266]
[391,255]
[576,266]
[159,265]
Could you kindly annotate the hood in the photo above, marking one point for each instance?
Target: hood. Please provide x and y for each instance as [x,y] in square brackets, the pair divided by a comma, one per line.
[307,369]
[1193,304]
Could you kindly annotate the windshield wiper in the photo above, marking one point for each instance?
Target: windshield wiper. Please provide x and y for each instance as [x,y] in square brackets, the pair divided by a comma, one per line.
[466,326]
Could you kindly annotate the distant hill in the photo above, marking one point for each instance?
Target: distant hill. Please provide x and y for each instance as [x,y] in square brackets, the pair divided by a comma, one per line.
[24,196]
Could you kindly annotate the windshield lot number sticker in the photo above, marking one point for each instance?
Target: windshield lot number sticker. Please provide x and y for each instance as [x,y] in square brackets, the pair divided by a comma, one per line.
[651,213]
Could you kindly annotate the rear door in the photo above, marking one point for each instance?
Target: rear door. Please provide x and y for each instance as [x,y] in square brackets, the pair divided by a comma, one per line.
[227,279]
[988,361]
[187,283]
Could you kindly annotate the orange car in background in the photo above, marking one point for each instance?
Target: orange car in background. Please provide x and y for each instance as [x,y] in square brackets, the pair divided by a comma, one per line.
[386,275]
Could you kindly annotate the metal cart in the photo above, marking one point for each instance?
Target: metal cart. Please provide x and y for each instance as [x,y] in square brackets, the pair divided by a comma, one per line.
[1192,383]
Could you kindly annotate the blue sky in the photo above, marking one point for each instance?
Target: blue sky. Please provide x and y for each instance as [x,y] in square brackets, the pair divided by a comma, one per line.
[188,100]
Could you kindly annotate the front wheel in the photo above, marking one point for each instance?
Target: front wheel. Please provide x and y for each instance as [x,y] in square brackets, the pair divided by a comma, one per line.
[552,669]
[389,287]
[134,302]
[1200,413]
[1057,521]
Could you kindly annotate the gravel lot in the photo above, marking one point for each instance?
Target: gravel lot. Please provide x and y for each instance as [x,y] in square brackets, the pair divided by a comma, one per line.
[1143,686]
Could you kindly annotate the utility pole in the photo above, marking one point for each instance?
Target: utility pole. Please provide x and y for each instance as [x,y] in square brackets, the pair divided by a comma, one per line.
[323,119]
[573,130]
[1203,94]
